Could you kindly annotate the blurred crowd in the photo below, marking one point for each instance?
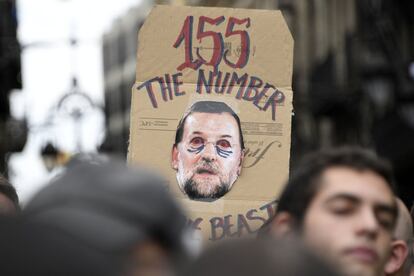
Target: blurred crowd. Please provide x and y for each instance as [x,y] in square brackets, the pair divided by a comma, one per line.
[338,214]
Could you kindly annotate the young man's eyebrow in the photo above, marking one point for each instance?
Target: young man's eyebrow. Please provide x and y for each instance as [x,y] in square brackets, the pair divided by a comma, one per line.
[343,196]
[196,132]
[226,136]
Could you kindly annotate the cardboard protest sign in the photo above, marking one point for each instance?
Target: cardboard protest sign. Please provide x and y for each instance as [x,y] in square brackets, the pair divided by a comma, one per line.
[202,74]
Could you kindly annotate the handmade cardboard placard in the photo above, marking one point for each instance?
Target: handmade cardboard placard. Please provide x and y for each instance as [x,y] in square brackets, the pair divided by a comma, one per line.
[209,68]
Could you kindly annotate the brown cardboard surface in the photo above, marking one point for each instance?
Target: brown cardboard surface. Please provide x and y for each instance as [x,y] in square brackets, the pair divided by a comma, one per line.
[155,113]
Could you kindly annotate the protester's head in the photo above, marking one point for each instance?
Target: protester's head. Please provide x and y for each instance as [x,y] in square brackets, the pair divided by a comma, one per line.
[259,258]
[341,202]
[208,151]
[400,261]
[29,248]
[9,201]
[122,212]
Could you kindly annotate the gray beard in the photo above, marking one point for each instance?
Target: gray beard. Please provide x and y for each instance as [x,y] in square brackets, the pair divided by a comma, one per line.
[190,188]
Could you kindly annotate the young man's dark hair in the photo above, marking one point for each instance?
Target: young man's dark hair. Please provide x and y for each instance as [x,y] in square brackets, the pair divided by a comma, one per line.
[9,192]
[207,107]
[304,182]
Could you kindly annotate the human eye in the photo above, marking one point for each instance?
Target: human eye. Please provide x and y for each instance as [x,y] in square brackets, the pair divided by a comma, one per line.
[386,218]
[341,207]
[196,142]
[342,211]
[223,144]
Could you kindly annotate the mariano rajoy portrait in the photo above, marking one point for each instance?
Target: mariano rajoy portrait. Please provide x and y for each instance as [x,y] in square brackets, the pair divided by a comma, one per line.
[208,150]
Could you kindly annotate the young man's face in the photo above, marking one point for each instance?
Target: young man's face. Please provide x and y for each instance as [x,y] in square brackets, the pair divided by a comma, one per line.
[350,220]
[208,158]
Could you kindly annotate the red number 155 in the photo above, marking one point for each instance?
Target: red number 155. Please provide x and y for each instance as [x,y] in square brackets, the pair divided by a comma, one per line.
[219,53]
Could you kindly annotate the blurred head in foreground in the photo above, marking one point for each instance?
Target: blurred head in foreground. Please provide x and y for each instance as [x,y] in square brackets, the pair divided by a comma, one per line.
[9,201]
[259,258]
[341,202]
[400,261]
[29,248]
[117,211]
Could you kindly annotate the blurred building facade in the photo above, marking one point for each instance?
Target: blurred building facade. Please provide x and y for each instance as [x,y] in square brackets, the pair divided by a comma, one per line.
[13,133]
[353,77]
[119,59]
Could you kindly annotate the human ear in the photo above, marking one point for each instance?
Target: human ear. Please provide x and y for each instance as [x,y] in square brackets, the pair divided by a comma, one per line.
[174,157]
[399,252]
[240,162]
[282,225]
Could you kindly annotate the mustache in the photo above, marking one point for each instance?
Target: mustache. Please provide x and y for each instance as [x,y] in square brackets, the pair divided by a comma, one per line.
[209,167]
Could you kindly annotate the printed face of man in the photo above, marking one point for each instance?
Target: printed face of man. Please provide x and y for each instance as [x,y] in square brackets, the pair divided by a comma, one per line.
[208,159]
[350,220]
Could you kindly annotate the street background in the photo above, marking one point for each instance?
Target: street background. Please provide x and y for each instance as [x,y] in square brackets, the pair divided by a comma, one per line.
[67,68]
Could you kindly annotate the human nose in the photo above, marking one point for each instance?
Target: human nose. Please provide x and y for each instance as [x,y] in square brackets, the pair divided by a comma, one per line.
[209,152]
[368,223]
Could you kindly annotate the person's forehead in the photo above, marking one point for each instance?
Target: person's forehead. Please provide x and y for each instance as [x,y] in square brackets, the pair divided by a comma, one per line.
[365,185]
[211,123]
